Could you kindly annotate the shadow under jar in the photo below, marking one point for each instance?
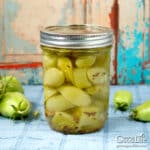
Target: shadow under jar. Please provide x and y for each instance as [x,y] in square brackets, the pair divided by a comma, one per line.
[76,64]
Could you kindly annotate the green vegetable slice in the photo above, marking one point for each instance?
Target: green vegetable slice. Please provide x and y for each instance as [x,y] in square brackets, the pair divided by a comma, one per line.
[85,61]
[63,121]
[97,75]
[49,60]
[48,92]
[57,103]
[80,78]
[75,95]
[65,65]
[89,118]
[53,77]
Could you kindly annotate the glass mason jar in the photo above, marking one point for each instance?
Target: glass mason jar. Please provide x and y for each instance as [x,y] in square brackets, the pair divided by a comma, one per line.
[76,66]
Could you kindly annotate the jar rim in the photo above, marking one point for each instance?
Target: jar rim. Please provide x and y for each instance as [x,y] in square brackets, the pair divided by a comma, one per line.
[76,36]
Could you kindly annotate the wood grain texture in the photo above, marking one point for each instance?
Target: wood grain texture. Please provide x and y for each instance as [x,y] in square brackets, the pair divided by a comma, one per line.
[146,46]
[20,23]
[114,22]
[134,24]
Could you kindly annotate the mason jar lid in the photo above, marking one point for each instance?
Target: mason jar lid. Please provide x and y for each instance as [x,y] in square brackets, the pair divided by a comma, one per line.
[76,36]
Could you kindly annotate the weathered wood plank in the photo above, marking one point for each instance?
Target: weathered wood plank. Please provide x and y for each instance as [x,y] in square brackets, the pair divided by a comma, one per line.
[22,46]
[20,35]
[146,63]
[114,21]
[20,23]
[131,45]
[1,29]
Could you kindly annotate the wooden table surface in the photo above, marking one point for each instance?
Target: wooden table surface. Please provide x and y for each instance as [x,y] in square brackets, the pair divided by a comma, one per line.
[119,132]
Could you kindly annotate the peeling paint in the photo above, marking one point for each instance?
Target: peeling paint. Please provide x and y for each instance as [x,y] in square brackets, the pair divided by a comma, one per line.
[114,20]
[146,75]
[128,58]
[146,40]
[12,40]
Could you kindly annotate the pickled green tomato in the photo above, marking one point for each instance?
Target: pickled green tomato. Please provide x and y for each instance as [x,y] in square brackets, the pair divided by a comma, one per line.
[49,60]
[93,90]
[85,61]
[65,65]
[103,59]
[97,75]
[80,78]
[79,119]
[48,92]
[89,118]
[99,91]
[75,95]
[53,77]
[57,103]
[64,122]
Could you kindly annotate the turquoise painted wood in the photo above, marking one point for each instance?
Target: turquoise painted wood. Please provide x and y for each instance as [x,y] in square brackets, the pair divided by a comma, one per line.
[20,23]
[133,47]
[132,57]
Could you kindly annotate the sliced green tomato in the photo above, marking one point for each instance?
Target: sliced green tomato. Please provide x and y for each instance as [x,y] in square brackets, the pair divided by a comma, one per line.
[89,117]
[65,65]
[48,92]
[85,61]
[93,90]
[57,103]
[104,91]
[103,60]
[97,75]
[75,95]
[101,91]
[49,61]
[53,77]
[98,103]
[80,78]
[63,122]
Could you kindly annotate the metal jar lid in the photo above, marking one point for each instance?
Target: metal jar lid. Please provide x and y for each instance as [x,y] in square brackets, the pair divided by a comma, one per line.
[76,36]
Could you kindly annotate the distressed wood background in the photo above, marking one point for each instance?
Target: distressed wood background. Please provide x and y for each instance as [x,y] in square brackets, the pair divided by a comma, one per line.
[21,20]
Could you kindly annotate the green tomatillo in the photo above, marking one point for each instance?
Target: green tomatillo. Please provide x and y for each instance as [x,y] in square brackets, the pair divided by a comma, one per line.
[14,105]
